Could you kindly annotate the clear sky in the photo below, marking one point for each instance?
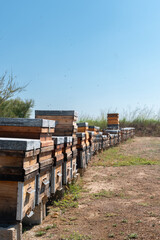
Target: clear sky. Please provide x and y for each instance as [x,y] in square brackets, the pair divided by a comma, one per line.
[87,55]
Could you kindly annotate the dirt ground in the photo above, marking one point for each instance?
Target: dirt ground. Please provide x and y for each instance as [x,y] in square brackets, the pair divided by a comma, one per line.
[118,202]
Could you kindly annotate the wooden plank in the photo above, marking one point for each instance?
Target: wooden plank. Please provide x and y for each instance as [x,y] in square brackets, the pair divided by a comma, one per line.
[46,163]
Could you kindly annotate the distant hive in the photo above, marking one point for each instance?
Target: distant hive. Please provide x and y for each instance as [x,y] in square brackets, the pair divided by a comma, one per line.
[113,120]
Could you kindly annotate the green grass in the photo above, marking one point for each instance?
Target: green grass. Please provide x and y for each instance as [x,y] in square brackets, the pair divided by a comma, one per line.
[107,194]
[40,233]
[70,199]
[113,157]
[133,236]
[76,236]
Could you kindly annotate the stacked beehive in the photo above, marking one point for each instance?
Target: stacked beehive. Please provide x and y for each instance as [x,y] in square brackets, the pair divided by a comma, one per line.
[117,134]
[105,141]
[67,164]
[58,157]
[91,141]
[123,134]
[99,141]
[65,126]
[132,132]
[95,140]
[18,183]
[34,129]
[83,127]
[74,157]
[81,147]
[113,120]
[65,121]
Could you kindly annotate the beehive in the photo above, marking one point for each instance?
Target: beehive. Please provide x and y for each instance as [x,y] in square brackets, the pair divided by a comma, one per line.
[28,128]
[113,120]
[18,172]
[105,142]
[114,131]
[65,121]
[81,147]
[91,141]
[83,127]
[56,177]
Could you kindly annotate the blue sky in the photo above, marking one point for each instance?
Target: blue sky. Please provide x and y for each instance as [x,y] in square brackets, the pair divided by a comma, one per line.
[87,55]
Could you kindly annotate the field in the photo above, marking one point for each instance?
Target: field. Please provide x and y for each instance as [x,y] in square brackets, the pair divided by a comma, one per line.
[118,198]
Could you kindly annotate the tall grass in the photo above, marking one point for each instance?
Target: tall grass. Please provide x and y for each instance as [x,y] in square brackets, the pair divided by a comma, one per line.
[145,120]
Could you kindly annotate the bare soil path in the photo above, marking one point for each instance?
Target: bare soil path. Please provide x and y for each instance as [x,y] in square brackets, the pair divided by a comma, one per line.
[116,202]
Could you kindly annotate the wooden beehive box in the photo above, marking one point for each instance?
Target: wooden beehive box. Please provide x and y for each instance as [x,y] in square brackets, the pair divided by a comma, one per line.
[81,137]
[112,139]
[65,121]
[81,159]
[91,141]
[28,128]
[56,177]
[18,171]
[114,131]
[18,158]
[113,120]
[41,129]
[94,129]
[67,150]
[123,134]
[67,172]
[83,127]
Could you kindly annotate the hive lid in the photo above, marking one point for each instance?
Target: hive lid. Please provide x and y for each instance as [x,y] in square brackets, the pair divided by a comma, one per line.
[97,128]
[80,134]
[91,133]
[27,122]
[58,140]
[19,144]
[68,139]
[84,124]
[56,113]
[104,136]
[112,131]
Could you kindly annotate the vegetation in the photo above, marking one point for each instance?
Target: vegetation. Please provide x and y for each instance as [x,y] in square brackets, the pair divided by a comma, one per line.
[13,107]
[145,120]
[114,157]
[76,236]
[70,199]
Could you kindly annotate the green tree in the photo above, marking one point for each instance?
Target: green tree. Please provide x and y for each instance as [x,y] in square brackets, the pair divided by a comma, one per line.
[13,107]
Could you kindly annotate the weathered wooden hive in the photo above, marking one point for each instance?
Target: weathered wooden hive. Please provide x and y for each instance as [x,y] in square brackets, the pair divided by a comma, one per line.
[116,132]
[99,141]
[65,121]
[96,130]
[112,139]
[65,126]
[41,129]
[19,169]
[83,127]
[123,134]
[58,156]
[67,164]
[74,157]
[113,120]
[81,147]
[105,142]
[91,141]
